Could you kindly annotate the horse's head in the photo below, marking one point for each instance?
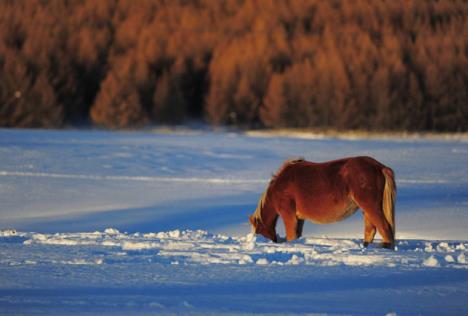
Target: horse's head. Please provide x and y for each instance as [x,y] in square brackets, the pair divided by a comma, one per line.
[263,220]
[258,227]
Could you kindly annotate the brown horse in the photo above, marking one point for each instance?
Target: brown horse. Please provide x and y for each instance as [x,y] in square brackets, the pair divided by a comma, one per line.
[329,192]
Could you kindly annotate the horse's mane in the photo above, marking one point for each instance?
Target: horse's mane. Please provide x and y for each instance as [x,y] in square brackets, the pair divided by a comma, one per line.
[258,212]
[283,167]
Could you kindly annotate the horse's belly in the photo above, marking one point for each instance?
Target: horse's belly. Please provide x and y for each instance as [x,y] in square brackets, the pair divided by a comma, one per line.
[326,215]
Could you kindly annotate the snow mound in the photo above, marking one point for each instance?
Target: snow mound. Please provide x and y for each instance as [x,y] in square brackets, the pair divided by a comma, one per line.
[8,233]
[431,262]
[111,231]
[187,247]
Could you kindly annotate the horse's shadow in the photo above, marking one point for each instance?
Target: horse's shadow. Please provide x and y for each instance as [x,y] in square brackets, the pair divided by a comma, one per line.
[207,214]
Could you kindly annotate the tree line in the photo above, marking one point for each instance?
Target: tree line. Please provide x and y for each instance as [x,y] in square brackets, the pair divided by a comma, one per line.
[363,64]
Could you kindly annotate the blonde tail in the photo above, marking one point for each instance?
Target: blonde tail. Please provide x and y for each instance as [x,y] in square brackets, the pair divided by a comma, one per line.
[389,196]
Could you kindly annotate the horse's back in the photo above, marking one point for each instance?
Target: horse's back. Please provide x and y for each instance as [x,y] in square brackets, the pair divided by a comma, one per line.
[324,192]
[336,170]
[333,178]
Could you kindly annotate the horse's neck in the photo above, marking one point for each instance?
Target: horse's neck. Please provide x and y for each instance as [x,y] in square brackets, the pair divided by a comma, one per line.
[268,214]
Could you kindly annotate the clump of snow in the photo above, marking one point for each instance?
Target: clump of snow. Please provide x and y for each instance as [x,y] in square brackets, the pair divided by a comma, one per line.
[39,237]
[111,231]
[357,260]
[32,262]
[130,245]
[110,243]
[83,262]
[164,235]
[429,247]
[174,233]
[461,258]
[245,259]
[61,239]
[249,243]
[8,233]
[431,262]
[295,260]
[156,305]
[262,261]
[444,246]
[186,304]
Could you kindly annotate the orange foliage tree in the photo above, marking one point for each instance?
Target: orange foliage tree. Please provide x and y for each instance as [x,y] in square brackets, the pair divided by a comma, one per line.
[364,64]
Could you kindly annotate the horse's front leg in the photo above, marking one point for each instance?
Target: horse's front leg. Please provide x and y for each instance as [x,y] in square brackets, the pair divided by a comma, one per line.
[292,225]
[300,226]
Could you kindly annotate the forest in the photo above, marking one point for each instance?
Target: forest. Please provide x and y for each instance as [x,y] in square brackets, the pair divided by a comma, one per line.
[399,65]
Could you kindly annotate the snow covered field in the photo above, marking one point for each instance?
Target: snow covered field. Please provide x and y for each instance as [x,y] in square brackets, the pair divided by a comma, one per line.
[152,223]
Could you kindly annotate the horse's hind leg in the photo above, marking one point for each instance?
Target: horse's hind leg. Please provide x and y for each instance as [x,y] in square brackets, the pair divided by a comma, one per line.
[373,214]
[369,231]
[377,219]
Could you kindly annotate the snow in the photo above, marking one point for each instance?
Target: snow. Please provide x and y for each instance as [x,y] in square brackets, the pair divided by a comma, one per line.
[146,223]
[431,262]
[461,258]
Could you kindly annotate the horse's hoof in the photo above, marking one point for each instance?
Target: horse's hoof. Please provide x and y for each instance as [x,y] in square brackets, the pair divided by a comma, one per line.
[281,240]
[365,244]
[388,245]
